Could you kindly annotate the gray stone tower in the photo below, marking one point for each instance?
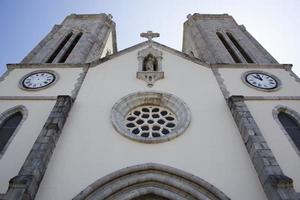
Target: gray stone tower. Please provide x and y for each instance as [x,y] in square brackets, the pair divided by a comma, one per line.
[78,39]
[219,39]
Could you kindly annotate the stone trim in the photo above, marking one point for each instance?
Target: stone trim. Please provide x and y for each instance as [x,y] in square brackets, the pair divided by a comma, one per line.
[5,74]
[221,83]
[79,83]
[251,66]
[151,178]
[131,101]
[4,115]
[250,98]
[191,19]
[42,88]
[154,44]
[28,97]
[294,114]
[46,65]
[276,185]
[244,75]
[26,184]
[292,74]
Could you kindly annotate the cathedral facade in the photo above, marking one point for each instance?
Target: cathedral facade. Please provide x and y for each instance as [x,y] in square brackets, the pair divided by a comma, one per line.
[81,120]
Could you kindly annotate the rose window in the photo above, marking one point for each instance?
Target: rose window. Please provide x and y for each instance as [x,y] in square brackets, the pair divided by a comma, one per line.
[150,117]
[150,121]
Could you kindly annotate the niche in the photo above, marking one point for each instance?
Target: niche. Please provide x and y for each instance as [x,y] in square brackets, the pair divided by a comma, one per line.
[150,67]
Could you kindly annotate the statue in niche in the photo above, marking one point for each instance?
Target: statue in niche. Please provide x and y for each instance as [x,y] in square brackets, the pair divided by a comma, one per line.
[150,63]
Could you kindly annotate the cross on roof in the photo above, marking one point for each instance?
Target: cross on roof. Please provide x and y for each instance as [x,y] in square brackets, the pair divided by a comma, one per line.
[149,35]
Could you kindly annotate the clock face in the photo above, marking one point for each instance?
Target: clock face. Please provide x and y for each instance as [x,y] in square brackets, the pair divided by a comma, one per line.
[38,80]
[261,80]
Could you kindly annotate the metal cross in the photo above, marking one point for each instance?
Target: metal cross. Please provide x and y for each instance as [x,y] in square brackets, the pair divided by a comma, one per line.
[149,35]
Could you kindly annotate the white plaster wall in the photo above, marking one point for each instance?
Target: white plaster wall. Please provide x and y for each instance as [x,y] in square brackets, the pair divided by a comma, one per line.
[284,152]
[19,148]
[235,85]
[108,46]
[89,147]
[64,85]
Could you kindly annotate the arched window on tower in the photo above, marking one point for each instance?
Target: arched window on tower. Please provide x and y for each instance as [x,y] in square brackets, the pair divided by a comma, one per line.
[70,48]
[59,48]
[240,48]
[8,127]
[228,47]
[292,127]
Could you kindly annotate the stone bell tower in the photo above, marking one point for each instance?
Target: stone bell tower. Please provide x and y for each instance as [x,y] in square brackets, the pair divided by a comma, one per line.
[78,39]
[219,39]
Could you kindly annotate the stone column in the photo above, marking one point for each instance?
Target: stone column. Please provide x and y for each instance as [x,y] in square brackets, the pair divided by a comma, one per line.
[25,185]
[276,185]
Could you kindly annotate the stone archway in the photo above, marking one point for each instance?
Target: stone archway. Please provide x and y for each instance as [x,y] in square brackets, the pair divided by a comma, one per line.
[148,182]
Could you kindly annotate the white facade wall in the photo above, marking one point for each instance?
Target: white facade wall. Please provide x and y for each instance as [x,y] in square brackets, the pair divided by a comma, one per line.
[67,78]
[261,110]
[89,147]
[38,104]
[20,146]
[235,86]
[279,143]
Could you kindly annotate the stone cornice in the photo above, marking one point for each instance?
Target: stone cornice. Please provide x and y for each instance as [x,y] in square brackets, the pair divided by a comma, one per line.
[28,97]
[287,67]
[210,16]
[252,65]
[46,65]
[97,17]
[253,98]
[196,16]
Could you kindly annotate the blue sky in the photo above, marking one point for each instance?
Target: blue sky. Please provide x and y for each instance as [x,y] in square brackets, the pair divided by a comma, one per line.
[274,23]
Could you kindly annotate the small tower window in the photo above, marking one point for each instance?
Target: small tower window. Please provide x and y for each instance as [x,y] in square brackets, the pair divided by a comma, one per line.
[228,47]
[150,63]
[70,48]
[8,127]
[59,48]
[240,48]
[292,127]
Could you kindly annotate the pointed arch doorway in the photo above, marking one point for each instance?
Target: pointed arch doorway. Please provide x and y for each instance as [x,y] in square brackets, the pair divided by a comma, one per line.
[150,181]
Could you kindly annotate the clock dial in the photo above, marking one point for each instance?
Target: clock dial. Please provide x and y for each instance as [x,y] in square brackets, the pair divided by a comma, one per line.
[38,80]
[261,80]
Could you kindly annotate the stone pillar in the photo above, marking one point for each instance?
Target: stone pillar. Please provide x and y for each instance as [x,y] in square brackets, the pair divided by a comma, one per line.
[25,185]
[276,185]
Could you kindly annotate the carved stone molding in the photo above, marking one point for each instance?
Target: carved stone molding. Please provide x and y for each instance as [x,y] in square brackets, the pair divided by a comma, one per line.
[151,178]
[8,113]
[291,112]
[150,74]
[120,111]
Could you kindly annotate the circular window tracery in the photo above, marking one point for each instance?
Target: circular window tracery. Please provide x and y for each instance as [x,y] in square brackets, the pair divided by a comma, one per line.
[150,117]
[151,121]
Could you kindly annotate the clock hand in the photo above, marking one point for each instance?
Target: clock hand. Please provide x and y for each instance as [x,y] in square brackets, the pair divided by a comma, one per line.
[257,76]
